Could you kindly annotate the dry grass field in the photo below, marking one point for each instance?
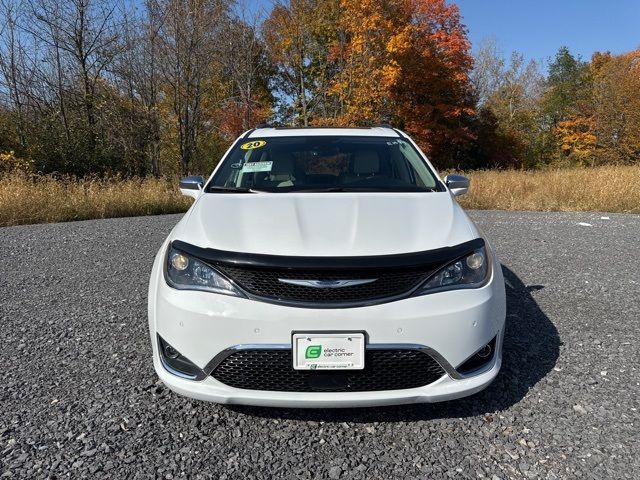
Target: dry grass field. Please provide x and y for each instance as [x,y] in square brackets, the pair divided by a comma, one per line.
[27,199]
[600,189]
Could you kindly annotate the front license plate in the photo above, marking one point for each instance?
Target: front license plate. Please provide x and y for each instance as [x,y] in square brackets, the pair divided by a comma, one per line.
[328,351]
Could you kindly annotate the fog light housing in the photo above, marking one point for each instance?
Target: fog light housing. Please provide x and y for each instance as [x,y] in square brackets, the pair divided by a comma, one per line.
[485,352]
[176,363]
[171,352]
[480,359]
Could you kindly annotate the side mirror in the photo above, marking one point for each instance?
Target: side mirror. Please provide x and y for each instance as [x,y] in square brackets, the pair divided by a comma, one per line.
[191,186]
[457,184]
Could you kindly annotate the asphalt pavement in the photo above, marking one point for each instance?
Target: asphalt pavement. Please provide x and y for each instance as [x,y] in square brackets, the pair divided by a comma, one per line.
[79,397]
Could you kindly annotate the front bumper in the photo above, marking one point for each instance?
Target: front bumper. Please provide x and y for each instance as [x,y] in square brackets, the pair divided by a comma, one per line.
[454,325]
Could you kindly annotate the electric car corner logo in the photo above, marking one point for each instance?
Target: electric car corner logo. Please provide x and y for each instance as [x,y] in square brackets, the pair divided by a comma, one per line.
[313,351]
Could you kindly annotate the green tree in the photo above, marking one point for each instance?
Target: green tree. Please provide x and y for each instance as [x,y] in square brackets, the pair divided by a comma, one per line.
[566,86]
[566,111]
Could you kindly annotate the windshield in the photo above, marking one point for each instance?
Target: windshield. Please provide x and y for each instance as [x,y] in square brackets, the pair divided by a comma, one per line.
[319,163]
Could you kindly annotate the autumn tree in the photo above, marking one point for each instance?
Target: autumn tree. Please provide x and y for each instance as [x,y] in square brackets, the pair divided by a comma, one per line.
[616,104]
[577,140]
[247,98]
[287,38]
[299,35]
[12,68]
[509,93]
[488,69]
[566,111]
[189,35]
[163,86]
[138,77]
[55,57]
[363,84]
[431,87]
[84,31]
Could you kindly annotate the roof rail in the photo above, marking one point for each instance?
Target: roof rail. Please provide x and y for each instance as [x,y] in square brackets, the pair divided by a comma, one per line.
[263,125]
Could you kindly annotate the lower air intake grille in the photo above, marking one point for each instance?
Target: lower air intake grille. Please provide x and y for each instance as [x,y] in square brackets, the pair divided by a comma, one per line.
[272,370]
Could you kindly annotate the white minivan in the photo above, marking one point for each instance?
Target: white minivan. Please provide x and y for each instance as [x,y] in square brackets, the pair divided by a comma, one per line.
[326,267]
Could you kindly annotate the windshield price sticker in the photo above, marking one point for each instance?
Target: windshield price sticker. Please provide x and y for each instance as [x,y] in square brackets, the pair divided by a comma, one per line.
[257,167]
[253,145]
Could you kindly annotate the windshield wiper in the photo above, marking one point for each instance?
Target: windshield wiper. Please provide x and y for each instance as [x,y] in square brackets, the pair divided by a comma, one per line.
[215,188]
[397,189]
[367,189]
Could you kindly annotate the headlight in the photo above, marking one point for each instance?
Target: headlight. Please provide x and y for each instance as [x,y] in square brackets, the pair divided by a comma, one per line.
[471,271]
[188,273]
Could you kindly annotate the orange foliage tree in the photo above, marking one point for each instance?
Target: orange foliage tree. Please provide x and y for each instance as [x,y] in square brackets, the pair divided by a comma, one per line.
[406,61]
[431,88]
[616,102]
[368,69]
[604,126]
[577,139]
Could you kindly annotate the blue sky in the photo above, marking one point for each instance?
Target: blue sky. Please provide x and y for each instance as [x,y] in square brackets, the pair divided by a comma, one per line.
[537,28]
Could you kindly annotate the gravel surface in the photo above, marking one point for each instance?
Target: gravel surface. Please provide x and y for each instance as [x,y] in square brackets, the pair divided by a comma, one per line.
[79,397]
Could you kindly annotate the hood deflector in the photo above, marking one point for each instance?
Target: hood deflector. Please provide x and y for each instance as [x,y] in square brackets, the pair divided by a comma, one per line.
[427,258]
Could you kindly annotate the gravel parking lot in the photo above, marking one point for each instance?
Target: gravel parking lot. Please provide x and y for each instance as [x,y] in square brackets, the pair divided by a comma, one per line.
[79,396]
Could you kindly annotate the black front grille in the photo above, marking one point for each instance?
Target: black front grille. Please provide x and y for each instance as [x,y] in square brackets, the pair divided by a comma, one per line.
[272,370]
[265,283]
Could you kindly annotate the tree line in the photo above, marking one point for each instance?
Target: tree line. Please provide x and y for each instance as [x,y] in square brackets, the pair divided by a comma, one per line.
[163,86]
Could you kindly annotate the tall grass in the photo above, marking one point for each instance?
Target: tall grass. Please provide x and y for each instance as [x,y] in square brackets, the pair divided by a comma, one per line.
[38,199]
[602,189]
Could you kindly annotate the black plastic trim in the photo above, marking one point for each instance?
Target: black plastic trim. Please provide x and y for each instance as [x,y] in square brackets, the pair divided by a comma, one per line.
[435,367]
[398,132]
[179,366]
[434,259]
[427,258]
[475,364]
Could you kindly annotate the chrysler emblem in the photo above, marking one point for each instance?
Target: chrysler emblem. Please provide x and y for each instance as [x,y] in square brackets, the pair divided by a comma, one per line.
[327,283]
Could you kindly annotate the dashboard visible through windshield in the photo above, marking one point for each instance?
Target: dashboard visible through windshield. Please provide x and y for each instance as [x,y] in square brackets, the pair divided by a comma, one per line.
[324,163]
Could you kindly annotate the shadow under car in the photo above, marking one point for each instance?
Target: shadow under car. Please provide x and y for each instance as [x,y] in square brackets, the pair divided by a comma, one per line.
[530,351]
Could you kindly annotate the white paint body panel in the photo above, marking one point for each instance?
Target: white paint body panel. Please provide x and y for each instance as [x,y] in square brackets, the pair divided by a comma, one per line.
[200,325]
[325,224]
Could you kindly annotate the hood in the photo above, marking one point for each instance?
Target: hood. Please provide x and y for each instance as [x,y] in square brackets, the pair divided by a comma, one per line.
[325,224]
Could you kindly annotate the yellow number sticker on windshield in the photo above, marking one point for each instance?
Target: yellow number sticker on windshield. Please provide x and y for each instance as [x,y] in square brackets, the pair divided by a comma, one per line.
[252,145]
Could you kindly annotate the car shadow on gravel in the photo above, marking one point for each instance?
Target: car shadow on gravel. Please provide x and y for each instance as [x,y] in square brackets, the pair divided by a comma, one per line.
[531,349]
